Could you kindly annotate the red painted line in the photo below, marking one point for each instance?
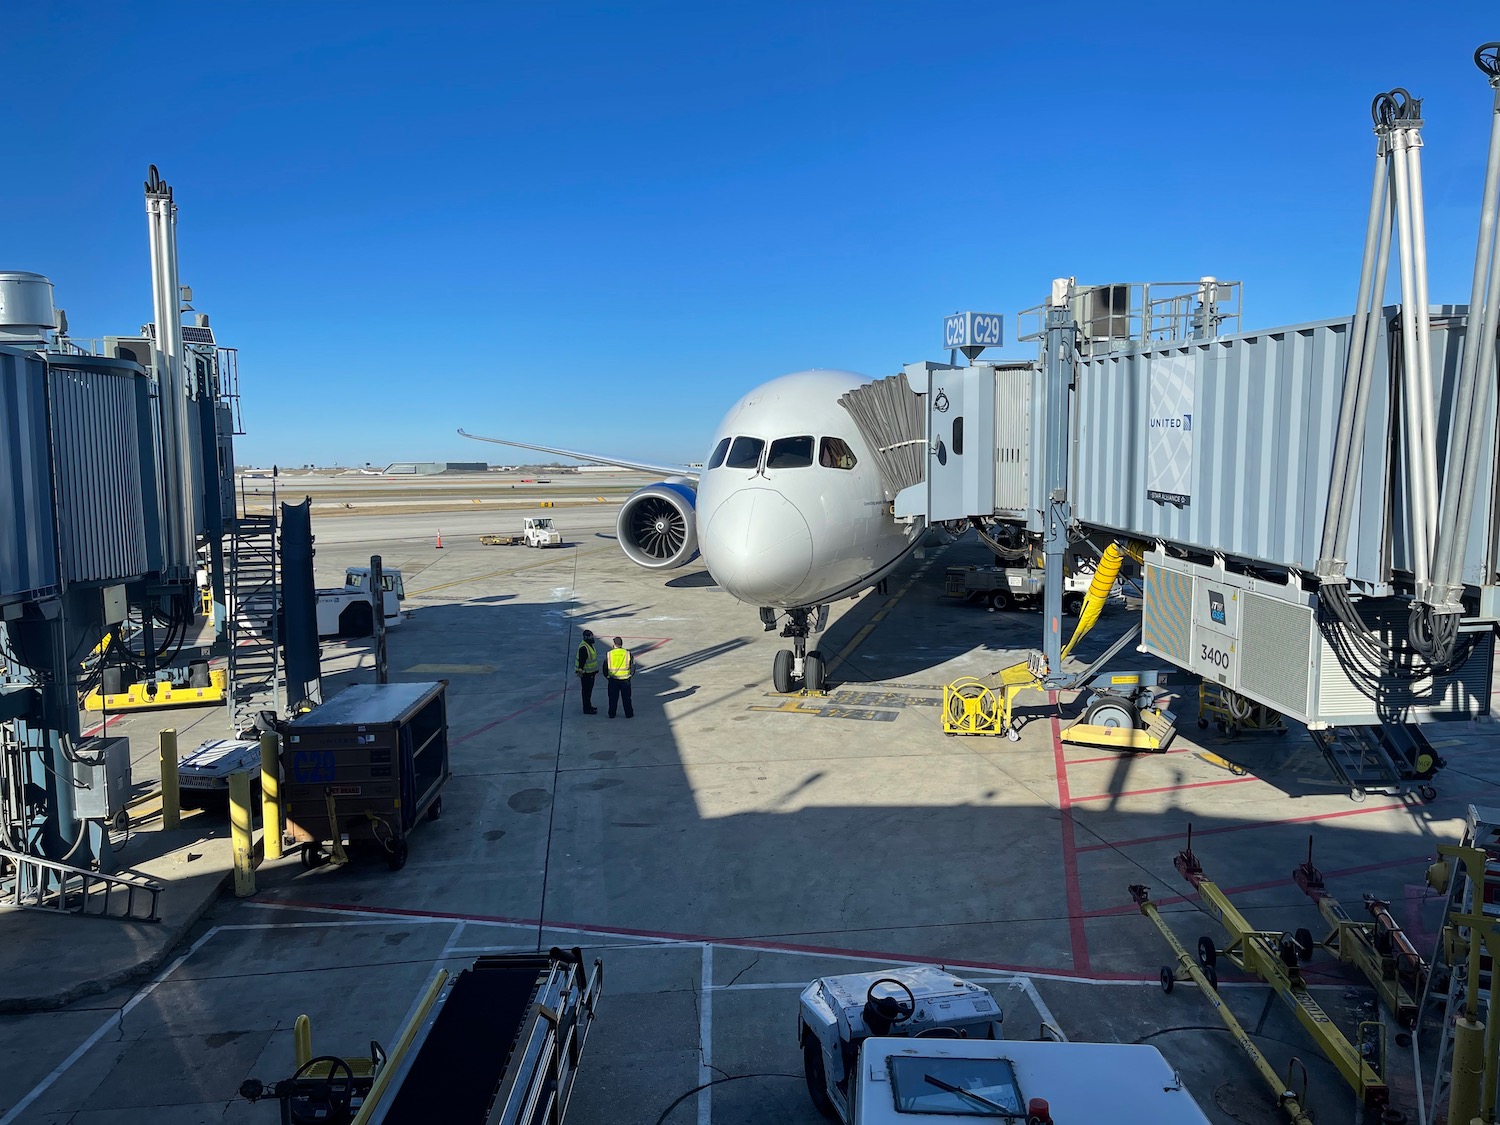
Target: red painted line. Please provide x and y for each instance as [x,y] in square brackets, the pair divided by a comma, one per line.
[1316,818]
[1077,934]
[668,935]
[100,727]
[1173,900]
[535,703]
[1163,789]
[1131,756]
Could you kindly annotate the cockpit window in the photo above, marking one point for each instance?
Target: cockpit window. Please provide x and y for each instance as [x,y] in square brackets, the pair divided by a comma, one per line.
[744,453]
[834,453]
[718,456]
[790,453]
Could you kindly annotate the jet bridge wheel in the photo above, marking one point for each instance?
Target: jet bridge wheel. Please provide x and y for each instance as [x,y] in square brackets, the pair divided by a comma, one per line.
[1111,711]
[781,672]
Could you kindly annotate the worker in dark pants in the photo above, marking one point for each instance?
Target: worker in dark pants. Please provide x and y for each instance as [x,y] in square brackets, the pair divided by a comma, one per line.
[587,668]
[617,678]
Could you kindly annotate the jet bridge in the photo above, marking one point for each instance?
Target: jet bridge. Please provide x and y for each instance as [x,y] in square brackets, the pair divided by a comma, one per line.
[1319,501]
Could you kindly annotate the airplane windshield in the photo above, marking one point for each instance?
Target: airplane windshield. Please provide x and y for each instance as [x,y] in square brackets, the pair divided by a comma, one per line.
[720,451]
[744,453]
[790,453]
[834,453]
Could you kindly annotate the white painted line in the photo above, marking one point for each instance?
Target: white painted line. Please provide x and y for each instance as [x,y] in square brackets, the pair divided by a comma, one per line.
[115,1020]
[426,984]
[706,1038]
[1041,1006]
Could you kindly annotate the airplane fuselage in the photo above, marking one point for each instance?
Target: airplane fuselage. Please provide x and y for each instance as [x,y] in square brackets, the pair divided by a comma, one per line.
[791,510]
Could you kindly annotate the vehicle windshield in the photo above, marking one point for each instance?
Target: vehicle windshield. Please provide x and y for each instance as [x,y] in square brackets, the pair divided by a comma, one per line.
[542,523]
[790,453]
[744,453]
[957,1087]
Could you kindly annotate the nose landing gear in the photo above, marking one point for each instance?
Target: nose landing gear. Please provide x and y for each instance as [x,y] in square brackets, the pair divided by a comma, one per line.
[796,663]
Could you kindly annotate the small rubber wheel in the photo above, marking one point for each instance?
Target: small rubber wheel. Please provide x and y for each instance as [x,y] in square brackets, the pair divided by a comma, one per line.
[1013,734]
[781,672]
[1208,952]
[817,1080]
[999,599]
[1303,939]
[1213,977]
[1202,724]
[395,859]
[312,856]
[1168,979]
[1072,604]
[1357,795]
[1427,793]
[435,810]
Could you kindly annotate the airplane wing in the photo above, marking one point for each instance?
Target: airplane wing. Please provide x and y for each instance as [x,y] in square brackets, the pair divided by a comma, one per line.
[640,466]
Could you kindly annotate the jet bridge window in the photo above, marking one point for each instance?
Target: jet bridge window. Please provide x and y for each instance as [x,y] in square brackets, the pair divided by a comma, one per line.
[834,453]
[744,453]
[958,435]
[720,451]
[790,453]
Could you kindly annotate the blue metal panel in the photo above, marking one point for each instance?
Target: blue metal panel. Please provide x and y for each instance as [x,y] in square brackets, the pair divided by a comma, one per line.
[28,543]
[93,406]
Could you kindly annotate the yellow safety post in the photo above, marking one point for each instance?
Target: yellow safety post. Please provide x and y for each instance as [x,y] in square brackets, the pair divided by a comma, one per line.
[302,1041]
[241,834]
[171,796]
[270,794]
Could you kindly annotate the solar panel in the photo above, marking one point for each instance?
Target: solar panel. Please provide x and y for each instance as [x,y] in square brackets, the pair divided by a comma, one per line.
[195,334]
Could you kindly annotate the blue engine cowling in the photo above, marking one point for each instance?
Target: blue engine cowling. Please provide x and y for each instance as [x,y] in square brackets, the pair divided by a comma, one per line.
[658,526]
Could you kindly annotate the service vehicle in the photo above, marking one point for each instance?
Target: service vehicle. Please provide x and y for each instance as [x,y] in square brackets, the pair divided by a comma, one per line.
[538,532]
[349,613]
[917,1044]
[205,772]
[1011,587]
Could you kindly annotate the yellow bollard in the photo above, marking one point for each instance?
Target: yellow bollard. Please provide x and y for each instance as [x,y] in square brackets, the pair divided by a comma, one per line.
[270,795]
[1468,1070]
[241,834]
[171,796]
[302,1041]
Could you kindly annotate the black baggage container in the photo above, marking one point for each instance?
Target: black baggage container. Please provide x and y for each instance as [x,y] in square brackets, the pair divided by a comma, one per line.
[379,752]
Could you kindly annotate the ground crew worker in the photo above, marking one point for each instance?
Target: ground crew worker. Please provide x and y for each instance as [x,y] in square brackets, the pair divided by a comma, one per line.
[617,678]
[587,669]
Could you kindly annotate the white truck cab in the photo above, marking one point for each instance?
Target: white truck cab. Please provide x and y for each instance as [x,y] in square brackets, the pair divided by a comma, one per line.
[539,532]
[928,1081]
[350,613]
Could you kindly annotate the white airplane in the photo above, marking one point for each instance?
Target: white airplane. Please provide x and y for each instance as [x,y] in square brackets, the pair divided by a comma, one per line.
[788,511]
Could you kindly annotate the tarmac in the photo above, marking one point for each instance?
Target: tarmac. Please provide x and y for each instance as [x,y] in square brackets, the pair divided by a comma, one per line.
[718,851]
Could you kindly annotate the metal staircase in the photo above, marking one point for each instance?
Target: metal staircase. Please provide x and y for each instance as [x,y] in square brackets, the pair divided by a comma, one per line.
[255,675]
[43,884]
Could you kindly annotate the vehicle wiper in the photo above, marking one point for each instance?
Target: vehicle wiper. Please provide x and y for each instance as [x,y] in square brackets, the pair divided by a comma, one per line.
[980,1098]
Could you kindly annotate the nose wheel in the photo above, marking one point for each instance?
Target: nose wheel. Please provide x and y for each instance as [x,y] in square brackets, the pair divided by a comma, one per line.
[795,668]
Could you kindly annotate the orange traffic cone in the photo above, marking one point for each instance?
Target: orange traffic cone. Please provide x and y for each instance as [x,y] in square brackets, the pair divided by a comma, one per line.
[440,539]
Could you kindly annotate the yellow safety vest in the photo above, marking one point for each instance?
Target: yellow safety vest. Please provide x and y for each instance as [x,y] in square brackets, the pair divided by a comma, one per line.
[591,661]
[618,664]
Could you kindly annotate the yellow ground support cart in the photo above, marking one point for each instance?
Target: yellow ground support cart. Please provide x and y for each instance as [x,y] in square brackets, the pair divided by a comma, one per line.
[975,706]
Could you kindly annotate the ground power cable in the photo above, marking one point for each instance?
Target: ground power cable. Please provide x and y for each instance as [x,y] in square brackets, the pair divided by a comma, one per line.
[562,715]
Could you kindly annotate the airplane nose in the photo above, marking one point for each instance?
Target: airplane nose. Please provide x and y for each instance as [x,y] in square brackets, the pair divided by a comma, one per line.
[757,546]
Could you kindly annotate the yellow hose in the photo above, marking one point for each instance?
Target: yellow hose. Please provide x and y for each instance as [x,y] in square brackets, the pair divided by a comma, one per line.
[1104,581]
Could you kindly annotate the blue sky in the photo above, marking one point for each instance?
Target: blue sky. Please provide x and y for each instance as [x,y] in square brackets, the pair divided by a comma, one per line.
[598,225]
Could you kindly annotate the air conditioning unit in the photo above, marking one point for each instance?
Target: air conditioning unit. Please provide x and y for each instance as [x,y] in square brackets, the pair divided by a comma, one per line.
[136,348]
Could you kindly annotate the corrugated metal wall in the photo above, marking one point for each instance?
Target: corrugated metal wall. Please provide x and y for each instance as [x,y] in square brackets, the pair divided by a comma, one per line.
[94,408]
[1265,412]
[28,548]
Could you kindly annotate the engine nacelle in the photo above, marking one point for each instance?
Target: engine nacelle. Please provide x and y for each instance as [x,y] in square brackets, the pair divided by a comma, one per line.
[658,526]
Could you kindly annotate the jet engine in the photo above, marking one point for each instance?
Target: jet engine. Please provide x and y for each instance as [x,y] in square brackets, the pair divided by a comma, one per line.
[658,526]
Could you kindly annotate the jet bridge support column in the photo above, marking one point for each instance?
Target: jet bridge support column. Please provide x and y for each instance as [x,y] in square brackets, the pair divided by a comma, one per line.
[1057,512]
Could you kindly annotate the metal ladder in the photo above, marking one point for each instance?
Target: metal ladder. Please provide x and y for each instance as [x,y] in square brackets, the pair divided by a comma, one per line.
[35,883]
[255,623]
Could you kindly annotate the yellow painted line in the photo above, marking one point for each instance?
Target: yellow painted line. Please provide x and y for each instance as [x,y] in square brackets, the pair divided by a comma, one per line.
[561,556]
[880,614]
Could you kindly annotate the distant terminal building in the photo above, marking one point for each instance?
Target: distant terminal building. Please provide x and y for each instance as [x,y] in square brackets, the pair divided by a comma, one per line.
[434,468]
